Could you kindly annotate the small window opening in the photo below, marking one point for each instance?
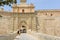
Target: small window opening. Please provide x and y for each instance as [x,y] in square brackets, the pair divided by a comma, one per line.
[51,14]
[46,14]
[23,26]
[0,16]
[23,10]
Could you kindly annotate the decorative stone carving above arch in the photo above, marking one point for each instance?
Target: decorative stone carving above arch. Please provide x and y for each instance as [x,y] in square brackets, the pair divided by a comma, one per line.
[22,23]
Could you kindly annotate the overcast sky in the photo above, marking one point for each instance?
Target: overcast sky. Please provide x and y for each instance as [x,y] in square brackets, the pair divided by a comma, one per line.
[41,4]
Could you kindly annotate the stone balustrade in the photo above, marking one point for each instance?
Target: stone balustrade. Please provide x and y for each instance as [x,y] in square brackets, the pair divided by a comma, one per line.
[42,36]
[10,36]
[46,37]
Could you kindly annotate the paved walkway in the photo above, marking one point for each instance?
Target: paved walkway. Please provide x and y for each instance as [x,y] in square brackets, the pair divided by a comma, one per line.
[35,36]
[25,36]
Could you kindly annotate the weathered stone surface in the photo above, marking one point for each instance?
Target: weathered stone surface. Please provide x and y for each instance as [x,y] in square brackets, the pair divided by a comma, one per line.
[43,21]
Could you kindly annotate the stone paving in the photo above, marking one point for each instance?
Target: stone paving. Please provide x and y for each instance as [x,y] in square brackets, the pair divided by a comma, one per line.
[25,36]
[31,35]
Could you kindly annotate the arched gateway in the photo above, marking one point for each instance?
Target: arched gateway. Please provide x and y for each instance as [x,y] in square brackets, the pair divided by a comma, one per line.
[23,27]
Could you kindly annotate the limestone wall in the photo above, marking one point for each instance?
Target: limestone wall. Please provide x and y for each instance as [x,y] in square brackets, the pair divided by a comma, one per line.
[6,24]
[48,23]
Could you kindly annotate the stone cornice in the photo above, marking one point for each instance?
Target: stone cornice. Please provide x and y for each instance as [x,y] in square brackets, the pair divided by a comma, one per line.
[49,10]
[6,12]
[23,6]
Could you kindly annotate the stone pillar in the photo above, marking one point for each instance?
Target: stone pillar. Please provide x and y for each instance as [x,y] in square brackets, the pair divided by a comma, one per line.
[31,23]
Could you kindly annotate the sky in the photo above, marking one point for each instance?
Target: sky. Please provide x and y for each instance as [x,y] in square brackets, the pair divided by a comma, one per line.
[40,4]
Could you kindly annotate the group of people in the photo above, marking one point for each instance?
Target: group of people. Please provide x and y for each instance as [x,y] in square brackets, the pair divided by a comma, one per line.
[18,32]
[21,31]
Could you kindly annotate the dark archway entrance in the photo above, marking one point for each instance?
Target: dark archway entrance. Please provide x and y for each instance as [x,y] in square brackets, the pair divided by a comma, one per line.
[23,29]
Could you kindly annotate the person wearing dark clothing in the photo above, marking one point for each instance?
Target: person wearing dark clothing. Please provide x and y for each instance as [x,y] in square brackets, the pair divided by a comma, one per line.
[18,32]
